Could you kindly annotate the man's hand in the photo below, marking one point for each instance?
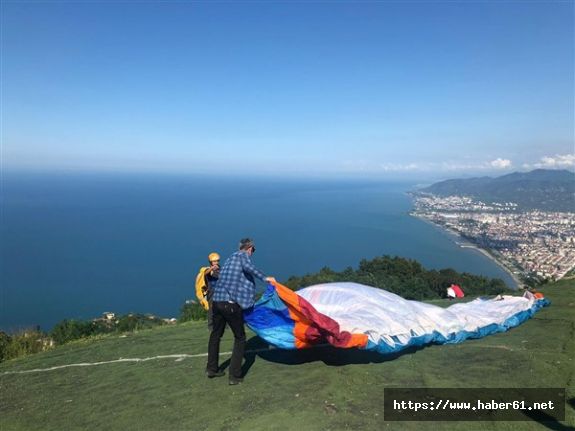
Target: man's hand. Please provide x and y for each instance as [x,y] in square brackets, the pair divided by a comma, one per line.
[213,270]
[271,280]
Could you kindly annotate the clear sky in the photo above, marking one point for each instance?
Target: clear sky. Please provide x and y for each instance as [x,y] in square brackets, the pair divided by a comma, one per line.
[401,88]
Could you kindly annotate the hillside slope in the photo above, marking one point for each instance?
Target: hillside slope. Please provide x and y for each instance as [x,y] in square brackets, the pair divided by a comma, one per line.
[322,388]
[543,189]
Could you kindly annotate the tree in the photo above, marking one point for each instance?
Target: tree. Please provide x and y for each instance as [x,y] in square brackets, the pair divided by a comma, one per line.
[404,277]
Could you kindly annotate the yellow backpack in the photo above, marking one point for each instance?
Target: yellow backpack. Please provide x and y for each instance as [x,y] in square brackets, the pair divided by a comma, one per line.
[202,287]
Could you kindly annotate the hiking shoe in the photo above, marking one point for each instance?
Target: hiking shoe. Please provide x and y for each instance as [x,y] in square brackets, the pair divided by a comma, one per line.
[212,374]
[236,381]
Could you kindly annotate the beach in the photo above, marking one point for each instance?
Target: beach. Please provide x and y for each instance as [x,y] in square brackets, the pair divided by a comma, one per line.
[463,242]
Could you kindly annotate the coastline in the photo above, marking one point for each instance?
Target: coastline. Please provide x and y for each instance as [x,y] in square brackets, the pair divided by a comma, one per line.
[486,252]
[468,244]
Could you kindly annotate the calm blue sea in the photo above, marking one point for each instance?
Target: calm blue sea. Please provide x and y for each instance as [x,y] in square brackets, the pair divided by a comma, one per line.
[76,245]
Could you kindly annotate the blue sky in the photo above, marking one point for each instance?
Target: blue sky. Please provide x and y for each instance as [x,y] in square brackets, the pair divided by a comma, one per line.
[327,88]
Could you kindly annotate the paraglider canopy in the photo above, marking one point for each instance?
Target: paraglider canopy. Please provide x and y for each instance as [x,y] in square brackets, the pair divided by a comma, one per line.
[352,315]
[454,291]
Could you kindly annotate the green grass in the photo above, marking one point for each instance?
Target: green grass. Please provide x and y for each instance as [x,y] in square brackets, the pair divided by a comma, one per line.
[321,388]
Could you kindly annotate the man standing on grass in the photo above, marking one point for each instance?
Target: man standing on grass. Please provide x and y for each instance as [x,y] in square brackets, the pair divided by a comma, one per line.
[234,292]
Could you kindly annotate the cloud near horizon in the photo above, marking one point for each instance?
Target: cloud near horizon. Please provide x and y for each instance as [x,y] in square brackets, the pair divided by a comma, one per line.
[497,164]
[500,163]
[559,161]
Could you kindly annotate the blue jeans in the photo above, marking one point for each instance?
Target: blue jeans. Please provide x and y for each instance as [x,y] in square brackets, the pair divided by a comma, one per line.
[232,314]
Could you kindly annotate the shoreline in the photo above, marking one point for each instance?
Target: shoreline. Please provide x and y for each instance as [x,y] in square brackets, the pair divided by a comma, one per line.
[468,244]
[487,253]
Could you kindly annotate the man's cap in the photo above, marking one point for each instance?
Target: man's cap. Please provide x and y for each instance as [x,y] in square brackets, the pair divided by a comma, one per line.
[213,256]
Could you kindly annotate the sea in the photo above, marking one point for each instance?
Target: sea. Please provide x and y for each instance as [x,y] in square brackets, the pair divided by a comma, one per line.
[75,245]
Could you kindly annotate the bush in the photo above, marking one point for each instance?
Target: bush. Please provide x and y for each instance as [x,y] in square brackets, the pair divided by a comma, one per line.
[33,341]
[5,341]
[135,322]
[23,344]
[69,330]
[192,311]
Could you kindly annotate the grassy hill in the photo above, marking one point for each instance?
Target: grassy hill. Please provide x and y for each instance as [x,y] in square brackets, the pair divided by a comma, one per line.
[321,388]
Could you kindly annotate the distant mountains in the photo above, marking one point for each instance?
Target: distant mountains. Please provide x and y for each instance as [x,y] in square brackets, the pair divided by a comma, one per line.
[542,189]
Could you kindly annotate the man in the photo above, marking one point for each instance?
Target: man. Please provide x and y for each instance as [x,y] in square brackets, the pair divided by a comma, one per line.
[205,282]
[234,292]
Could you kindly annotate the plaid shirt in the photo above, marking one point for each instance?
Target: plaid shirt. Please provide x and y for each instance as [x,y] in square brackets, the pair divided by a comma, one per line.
[236,282]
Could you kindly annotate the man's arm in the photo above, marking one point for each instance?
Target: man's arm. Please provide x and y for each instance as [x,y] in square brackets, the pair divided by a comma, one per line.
[249,267]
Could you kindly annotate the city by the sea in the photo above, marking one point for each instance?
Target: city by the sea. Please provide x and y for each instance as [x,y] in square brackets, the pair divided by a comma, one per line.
[74,245]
